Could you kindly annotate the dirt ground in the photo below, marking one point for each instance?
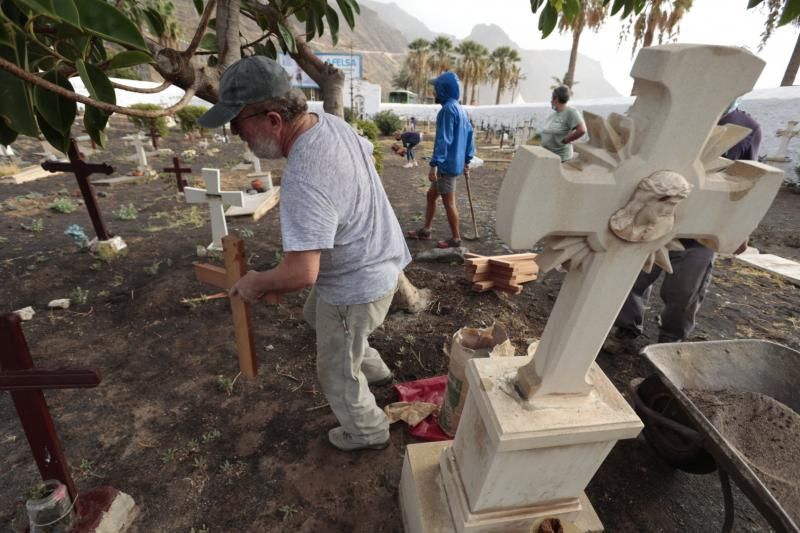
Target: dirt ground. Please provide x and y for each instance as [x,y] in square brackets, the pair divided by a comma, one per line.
[200,450]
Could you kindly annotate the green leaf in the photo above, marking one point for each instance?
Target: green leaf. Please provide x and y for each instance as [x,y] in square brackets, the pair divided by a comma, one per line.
[97,135]
[7,135]
[333,23]
[5,35]
[39,7]
[618,4]
[571,9]
[67,11]
[198,5]
[209,42]
[356,7]
[753,3]
[57,111]
[155,20]
[272,52]
[318,20]
[347,12]
[96,82]
[311,29]
[548,20]
[791,11]
[536,4]
[287,38]
[15,100]
[58,139]
[129,58]
[106,21]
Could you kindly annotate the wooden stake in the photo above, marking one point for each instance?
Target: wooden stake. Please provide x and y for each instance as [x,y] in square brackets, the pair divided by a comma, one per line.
[236,267]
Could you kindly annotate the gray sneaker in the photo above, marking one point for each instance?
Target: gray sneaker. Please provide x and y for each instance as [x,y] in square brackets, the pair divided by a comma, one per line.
[346,442]
[381,381]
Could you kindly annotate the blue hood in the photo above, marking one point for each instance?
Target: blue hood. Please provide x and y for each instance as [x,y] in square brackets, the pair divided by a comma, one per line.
[446,87]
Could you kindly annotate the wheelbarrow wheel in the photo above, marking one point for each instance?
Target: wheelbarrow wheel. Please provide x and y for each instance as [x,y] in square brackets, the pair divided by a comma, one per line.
[654,402]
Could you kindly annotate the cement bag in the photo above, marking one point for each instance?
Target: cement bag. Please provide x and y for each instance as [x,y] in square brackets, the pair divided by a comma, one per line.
[466,344]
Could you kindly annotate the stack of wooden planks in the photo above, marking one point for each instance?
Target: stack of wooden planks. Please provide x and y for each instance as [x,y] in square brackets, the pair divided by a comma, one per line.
[500,272]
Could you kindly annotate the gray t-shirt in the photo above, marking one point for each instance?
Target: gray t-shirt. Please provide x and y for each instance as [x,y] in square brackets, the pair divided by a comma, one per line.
[332,199]
[557,126]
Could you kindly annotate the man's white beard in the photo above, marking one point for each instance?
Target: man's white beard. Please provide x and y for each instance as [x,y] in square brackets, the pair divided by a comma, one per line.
[266,148]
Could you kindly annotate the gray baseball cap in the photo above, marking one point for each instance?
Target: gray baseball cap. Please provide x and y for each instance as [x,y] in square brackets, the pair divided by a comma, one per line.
[249,80]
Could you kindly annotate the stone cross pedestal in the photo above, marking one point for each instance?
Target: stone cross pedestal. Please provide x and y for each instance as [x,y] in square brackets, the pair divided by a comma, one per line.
[215,198]
[536,429]
[785,135]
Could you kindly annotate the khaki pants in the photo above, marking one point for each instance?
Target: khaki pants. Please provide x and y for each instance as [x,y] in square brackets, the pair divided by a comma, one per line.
[346,362]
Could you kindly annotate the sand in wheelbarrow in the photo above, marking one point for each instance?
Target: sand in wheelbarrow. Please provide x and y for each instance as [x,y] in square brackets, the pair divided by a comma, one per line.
[765,432]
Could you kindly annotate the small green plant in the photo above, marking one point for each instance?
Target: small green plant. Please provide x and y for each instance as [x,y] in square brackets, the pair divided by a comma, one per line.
[226,385]
[63,205]
[349,116]
[126,212]
[388,122]
[38,491]
[200,462]
[86,468]
[36,225]
[153,269]
[246,233]
[287,511]
[79,296]
[201,529]
[409,338]
[211,436]
[193,446]
[146,124]
[168,455]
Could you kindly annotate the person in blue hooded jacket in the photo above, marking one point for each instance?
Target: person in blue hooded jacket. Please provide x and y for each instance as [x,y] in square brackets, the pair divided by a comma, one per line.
[453,149]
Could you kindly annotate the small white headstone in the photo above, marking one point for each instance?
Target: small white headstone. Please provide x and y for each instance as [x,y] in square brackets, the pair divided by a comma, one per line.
[215,198]
[785,135]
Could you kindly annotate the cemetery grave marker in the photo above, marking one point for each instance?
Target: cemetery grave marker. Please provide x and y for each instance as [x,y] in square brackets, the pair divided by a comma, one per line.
[535,429]
[215,198]
[82,171]
[785,135]
[178,171]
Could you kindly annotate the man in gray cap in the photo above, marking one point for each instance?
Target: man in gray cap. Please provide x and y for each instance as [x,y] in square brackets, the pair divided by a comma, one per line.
[564,126]
[340,235]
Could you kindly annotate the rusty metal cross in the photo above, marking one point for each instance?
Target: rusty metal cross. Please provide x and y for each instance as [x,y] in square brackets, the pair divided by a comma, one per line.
[82,171]
[178,171]
[26,383]
[681,93]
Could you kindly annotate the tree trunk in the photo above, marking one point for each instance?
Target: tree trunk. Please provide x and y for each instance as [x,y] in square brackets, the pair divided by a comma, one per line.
[329,78]
[791,69]
[569,78]
[228,33]
[500,83]
[466,91]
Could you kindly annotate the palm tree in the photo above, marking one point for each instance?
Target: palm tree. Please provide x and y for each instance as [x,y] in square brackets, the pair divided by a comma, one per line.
[661,16]
[481,74]
[471,65]
[502,59]
[440,60]
[774,12]
[403,79]
[591,15]
[514,78]
[417,64]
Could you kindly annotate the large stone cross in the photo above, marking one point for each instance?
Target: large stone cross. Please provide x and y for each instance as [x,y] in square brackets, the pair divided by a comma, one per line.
[642,181]
[785,135]
[215,199]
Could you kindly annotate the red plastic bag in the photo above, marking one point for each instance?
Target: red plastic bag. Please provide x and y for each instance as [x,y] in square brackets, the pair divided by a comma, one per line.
[426,390]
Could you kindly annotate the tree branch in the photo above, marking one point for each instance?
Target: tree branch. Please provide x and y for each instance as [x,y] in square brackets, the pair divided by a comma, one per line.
[144,90]
[228,33]
[104,106]
[201,28]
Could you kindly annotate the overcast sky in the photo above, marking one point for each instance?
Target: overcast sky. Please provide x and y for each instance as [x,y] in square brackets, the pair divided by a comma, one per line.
[726,22]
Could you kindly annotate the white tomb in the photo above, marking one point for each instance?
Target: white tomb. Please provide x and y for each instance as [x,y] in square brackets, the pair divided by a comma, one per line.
[215,198]
[536,429]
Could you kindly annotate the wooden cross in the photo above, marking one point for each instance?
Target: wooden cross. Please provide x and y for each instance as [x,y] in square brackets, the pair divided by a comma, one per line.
[176,168]
[154,135]
[225,278]
[682,90]
[82,171]
[215,199]
[25,383]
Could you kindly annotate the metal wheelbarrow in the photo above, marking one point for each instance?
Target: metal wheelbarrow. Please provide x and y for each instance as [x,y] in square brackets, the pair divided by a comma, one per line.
[684,437]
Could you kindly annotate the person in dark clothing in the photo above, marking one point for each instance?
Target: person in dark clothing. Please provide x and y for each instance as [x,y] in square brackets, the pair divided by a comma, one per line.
[409,139]
[453,149]
[684,290]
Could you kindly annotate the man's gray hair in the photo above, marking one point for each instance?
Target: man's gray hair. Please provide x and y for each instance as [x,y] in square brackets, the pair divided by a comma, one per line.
[562,93]
[289,107]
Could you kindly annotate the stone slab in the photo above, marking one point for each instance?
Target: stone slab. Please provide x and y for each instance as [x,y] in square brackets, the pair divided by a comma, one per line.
[31,173]
[774,264]
[119,180]
[256,205]
[424,504]
[105,510]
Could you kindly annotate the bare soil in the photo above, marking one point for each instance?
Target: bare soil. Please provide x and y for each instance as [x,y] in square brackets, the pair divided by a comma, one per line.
[201,450]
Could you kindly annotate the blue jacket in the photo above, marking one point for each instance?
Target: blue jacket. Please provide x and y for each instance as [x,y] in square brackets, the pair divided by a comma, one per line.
[453,146]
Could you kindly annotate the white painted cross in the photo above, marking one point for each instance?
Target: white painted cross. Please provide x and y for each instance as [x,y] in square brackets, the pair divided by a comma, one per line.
[141,156]
[250,156]
[785,136]
[613,209]
[215,199]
